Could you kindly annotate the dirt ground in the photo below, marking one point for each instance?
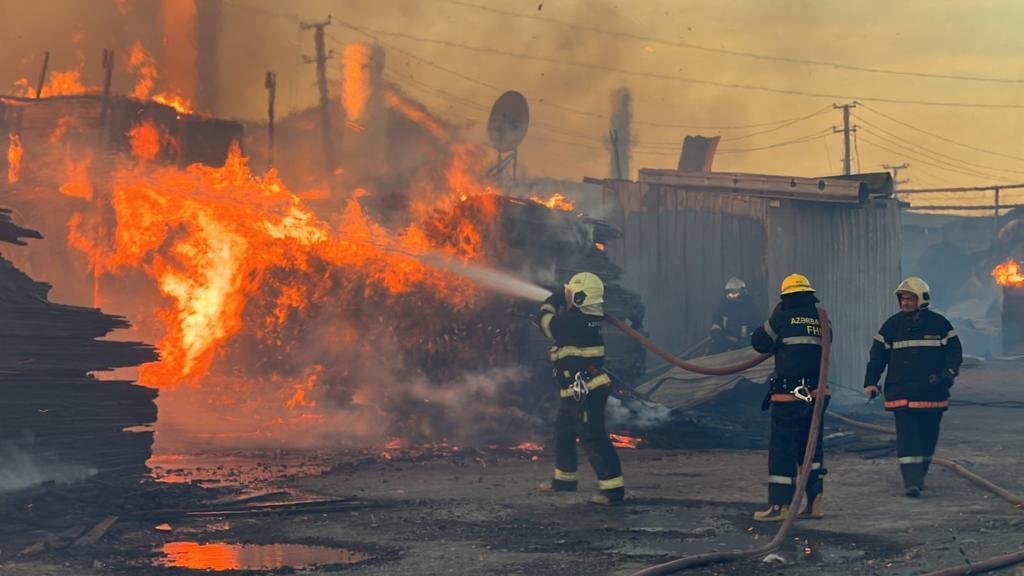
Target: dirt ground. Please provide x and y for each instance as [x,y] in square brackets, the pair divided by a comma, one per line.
[476,512]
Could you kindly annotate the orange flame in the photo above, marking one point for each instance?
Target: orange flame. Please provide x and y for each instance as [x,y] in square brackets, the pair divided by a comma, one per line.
[180,104]
[558,201]
[623,441]
[528,447]
[142,64]
[1008,274]
[145,140]
[78,184]
[59,83]
[209,237]
[14,154]
[358,60]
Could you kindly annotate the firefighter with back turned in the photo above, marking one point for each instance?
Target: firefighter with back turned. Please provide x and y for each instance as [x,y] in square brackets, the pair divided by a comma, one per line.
[793,335]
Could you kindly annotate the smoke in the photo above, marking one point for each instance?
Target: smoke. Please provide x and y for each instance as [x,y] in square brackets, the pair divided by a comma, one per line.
[20,469]
[635,415]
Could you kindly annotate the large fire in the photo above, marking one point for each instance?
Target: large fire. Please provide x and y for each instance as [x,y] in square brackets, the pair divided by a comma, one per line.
[1008,274]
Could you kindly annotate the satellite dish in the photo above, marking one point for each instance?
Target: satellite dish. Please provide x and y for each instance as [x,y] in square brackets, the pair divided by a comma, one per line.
[510,117]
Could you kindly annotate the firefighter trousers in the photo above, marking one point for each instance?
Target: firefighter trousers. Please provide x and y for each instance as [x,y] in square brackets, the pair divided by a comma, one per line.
[791,423]
[917,433]
[585,420]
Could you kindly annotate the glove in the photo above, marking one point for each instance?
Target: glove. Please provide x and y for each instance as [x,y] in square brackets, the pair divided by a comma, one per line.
[947,378]
[557,298]
[871,391]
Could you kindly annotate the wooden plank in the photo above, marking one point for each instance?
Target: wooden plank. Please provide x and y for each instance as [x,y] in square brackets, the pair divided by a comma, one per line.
[98,531]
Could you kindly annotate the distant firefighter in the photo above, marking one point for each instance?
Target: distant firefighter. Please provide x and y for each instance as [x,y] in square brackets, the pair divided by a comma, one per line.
[574,319]
[793,335]
[735,318]
[923,356]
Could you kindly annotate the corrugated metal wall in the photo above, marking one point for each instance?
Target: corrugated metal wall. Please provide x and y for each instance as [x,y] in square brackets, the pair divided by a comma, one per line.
[852,257]
[680,246]
[678,249]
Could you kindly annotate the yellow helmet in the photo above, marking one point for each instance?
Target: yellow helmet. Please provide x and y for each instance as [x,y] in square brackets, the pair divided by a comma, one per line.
[795,283]
[917,287]
[586,292]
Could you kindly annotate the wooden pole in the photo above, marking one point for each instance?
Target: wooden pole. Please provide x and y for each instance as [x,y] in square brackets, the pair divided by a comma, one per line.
[271,85]
[42,75]
[108,70]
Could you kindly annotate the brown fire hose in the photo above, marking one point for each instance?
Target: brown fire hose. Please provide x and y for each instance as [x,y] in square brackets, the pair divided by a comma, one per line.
[805,468]
[975,567]
[812,438]
[679,362]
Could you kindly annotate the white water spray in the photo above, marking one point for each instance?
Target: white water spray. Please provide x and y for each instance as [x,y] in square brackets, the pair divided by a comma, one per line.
[493,279]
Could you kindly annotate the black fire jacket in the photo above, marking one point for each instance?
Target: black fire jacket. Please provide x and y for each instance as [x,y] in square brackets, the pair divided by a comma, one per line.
[579,342]
[923,356]
[793,334]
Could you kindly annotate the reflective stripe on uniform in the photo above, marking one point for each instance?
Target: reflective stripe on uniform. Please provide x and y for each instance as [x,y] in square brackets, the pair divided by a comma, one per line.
[545,323]
[916,344]
[911,459]
[547,307]
[564,476]
[881,340]
[950,334]
[768,330]
[561,352]
[773,479]
[918,404]
[611,483]
[815,465]
[815,340]
[595,382]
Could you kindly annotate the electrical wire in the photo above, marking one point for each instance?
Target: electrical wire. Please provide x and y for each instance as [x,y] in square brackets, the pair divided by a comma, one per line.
[740,53]
[672,78]
[937,153]
[913,155]
[934,135]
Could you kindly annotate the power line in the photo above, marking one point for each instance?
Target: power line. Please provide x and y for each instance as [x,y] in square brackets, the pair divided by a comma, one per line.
[740,53]
[964,169]
[681,79]
[943,138]
[935,152]
[904,153]
[549,103]
[808,138]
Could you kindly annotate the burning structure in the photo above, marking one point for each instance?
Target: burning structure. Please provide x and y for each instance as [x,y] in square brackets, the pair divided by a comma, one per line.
[323,317]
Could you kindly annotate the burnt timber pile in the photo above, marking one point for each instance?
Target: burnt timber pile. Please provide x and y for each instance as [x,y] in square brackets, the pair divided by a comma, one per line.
[54,415]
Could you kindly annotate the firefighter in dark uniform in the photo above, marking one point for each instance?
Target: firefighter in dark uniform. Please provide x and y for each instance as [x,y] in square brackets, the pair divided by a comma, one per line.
[923,356]
[793,335]
[574,319]
[735,318]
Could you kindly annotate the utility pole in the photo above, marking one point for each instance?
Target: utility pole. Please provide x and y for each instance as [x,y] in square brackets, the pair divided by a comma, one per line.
[270,83]
[846,134]
[613,136]
[42,75]
[896,172]
[108,71]
[321,77]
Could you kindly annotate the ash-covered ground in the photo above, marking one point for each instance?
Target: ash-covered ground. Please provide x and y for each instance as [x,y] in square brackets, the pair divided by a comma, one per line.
[448,510]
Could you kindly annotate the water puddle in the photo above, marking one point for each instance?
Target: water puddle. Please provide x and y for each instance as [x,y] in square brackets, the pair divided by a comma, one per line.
[219,556]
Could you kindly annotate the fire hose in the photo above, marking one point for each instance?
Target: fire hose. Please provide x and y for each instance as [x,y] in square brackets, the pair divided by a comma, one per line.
[805,468]
[680,564]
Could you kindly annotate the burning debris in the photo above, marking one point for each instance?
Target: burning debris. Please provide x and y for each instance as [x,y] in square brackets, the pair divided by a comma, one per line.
[313,318]
[1009,276]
